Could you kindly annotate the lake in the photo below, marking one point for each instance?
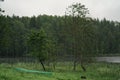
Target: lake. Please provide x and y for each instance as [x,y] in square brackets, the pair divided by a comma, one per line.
[109,59]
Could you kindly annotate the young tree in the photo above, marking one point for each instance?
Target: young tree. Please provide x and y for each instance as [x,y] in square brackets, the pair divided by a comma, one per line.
[79,32]
[39,45]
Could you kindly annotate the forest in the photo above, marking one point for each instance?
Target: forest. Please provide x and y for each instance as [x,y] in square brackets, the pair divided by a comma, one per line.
[14,32]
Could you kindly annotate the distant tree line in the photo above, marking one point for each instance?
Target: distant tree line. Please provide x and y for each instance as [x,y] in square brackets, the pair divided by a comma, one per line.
[14,32]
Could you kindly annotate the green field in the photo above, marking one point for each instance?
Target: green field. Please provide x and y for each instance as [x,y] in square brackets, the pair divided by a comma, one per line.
[95,71]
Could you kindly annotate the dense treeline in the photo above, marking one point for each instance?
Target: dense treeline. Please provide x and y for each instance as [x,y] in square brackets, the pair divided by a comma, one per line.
[108,35]
[14,33]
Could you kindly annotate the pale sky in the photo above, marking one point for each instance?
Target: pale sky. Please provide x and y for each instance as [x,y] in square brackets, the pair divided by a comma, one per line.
[110,9]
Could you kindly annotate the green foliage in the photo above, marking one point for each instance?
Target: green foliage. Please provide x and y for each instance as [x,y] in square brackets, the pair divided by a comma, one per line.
[77,10]
[39,44]
[33,22]
[12,37]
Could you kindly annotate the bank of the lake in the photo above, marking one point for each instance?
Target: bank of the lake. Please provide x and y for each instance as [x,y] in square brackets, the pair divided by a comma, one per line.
[95,71]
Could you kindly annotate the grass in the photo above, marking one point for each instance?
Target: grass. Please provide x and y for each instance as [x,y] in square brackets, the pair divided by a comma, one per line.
[95,71]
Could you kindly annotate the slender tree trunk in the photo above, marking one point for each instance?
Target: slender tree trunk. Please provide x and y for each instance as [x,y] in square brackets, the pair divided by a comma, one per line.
[74,65]
[42,65]
[83,68]
[81,62]
[48,63]
[54,65]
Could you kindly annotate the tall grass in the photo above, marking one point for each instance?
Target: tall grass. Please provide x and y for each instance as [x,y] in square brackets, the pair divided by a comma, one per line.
[63,71]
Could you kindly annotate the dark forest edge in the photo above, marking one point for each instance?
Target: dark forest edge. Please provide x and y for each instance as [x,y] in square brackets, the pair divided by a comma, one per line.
[14,32]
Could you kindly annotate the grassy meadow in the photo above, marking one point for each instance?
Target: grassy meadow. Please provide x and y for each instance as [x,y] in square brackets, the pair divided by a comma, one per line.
[63,71]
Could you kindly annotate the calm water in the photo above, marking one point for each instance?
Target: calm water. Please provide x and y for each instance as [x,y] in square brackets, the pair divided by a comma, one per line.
[109,59]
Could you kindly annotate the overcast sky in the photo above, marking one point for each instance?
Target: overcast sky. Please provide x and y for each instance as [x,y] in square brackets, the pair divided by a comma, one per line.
[110,9]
